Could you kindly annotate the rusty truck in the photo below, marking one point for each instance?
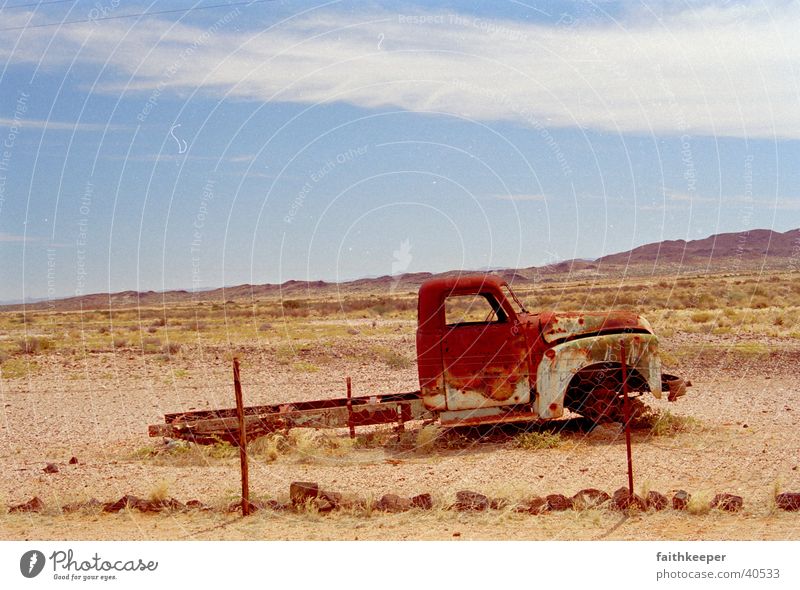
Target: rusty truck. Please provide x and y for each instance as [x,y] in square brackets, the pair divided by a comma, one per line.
[482,358]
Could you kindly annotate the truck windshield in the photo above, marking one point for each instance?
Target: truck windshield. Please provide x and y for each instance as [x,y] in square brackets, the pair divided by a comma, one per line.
[511,296]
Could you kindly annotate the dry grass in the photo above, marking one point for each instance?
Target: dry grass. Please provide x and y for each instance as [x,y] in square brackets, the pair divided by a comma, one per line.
[392,358]
[159,492]
[766,304]
[534,441]
[427,437]
[700,503]
[185,454]
[665,423]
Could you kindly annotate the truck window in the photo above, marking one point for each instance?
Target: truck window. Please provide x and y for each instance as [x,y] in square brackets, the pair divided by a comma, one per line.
[479,308]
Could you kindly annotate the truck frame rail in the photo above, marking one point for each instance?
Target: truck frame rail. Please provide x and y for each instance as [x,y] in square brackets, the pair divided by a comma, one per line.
[209,425]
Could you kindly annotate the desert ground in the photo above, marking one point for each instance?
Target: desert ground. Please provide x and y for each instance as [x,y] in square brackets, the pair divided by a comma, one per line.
[87,383]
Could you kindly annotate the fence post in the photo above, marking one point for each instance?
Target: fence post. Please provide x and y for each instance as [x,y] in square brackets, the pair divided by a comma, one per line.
[237,386]
[627,412]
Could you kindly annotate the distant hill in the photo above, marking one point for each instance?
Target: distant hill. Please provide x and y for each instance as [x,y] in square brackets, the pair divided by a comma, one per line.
[751,245]
[728,252]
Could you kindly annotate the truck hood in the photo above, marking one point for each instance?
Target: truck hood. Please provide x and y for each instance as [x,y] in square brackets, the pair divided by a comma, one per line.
[569,325]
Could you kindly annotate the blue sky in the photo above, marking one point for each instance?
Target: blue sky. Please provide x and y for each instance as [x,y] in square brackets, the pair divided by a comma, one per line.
[296,140]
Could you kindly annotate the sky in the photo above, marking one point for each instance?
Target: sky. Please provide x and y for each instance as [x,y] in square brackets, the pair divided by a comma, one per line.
[198,144]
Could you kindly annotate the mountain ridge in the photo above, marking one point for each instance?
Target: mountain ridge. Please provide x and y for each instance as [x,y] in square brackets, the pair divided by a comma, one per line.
[731,251]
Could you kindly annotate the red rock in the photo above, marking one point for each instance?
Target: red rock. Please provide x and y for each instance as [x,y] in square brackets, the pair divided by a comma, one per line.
[623,500]
[727,502]
[467,501]
[393,503]
[302,491]
[32,505]
[77,506]
[681,499]
[196,505]
[657,501]
[789,501]
[422,501]
[558,502]
[589,498]
[126,501]
[535,505]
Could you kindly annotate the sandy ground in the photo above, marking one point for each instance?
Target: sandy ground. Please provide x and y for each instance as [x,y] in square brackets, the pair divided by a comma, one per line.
[97,409]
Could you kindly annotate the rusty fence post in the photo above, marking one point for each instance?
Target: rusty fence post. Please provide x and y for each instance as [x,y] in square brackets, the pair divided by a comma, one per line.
[237,386]
[626,409]
[350,423]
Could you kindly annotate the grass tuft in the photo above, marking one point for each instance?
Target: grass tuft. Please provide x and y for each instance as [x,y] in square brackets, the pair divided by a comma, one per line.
[159,492]
[34,345]
[665,423]
[427,437]
[392,358]
[700,503]
[534,441]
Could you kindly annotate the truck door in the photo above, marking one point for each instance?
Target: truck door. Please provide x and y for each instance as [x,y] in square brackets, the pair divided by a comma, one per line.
[484,354]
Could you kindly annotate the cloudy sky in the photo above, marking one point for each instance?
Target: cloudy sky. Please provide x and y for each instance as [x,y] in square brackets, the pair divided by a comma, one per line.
[194,144]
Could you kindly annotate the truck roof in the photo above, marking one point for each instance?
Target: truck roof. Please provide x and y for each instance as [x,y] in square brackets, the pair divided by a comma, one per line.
[468,282]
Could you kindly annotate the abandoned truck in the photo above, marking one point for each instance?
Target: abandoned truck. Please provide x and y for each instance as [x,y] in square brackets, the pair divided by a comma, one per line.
[482,358]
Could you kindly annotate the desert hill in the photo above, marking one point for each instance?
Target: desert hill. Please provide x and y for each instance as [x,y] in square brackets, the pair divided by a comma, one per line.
[726,252]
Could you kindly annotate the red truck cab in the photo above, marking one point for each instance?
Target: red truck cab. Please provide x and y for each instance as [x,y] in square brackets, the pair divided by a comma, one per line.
[483,358]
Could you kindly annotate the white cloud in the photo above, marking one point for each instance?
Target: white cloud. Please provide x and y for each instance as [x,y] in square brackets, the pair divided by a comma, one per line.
[710,70]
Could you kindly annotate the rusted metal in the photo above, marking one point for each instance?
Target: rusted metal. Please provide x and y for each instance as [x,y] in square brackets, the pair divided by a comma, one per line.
[237,386]
[676,386]
[569,325]
[513,366]
[350,424]
[627,411]
[203,426]
[496,415]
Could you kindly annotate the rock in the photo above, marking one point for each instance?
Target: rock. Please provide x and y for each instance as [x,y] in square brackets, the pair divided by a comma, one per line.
[196,505]
[467,501]
[322,505]
[91,504]
[589,498]
[277,506]
[789,501]
[165,504]
[727,502]
[657,501]
[32,505]
[126,501]
[73,461]
[608,431]
[498,503]
[535,505]
[623,500]
[256,505]
[51,468]
[335,498]
[558,502]
[393,503]
[422,501]
[301,492]
[681,499]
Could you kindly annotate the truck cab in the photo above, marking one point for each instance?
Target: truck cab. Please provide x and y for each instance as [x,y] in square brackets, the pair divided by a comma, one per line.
[483,358]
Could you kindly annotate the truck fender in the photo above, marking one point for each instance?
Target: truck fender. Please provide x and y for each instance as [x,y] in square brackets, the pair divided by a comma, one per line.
[561,362]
